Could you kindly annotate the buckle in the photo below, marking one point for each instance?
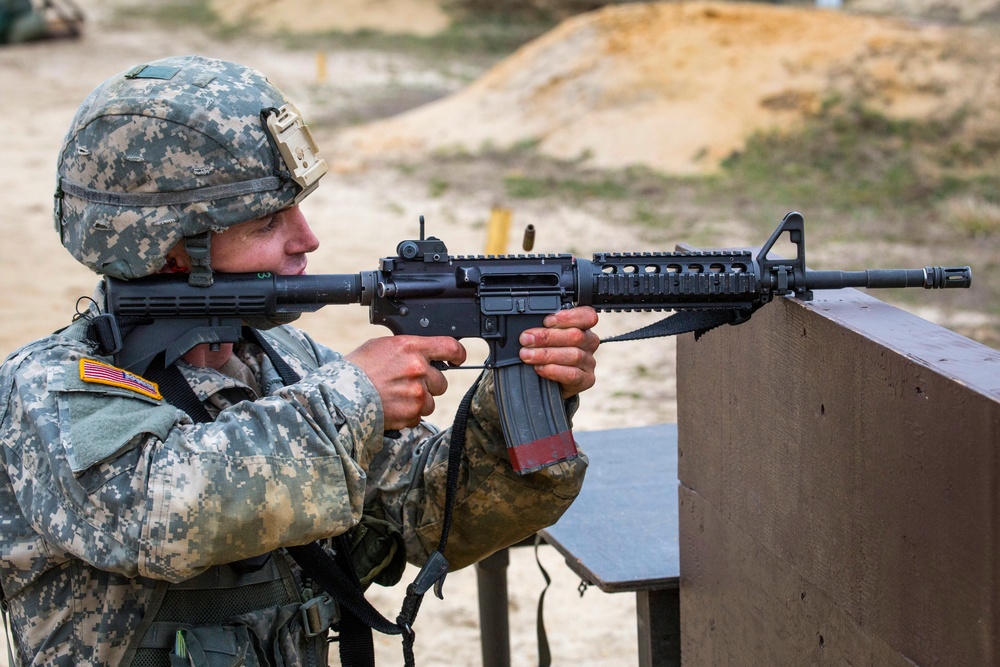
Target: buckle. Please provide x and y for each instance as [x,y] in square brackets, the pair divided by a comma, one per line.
[318,614]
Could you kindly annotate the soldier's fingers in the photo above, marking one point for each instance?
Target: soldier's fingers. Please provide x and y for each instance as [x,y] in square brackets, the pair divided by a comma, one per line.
[437,383]
[581,317]
[571,357]
[556,337]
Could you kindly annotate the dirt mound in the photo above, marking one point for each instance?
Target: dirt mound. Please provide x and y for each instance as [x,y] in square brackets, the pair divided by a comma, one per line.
[680,86]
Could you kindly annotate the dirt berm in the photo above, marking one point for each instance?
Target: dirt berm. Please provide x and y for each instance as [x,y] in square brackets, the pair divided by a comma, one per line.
[680,86]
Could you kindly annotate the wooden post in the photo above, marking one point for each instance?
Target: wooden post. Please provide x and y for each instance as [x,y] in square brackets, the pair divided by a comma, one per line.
[839,464]
[497,231]
[321,74]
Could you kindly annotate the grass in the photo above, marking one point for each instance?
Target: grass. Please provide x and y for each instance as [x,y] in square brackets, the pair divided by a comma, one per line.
[177,14]
[849,157]
[975,216]
[481,38]
[574,189]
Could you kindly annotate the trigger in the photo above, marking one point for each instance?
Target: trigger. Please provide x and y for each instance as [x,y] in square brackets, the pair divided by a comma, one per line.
[441,365]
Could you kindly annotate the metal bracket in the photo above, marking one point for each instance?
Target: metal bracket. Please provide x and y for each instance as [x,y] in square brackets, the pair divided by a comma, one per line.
[298,149]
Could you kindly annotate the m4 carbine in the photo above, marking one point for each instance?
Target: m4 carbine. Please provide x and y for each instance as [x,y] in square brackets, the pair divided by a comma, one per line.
[424,291]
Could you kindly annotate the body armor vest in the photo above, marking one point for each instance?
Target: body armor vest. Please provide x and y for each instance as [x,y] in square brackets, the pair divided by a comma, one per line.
[247,613]
[229,617]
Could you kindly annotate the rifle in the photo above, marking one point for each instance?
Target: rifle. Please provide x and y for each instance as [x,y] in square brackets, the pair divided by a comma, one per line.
[424,291]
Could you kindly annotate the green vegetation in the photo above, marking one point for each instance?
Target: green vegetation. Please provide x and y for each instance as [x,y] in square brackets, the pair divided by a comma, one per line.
[175,14]
[483,38]
[478,37]
[852,161]
[437,187]
[575,189]
[886,191]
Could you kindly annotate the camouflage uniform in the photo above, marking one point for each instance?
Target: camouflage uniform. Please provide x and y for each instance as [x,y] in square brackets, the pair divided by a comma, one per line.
[104,489]
[108,492]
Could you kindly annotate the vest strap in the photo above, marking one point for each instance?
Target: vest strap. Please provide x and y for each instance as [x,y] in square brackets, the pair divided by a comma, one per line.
[6,630]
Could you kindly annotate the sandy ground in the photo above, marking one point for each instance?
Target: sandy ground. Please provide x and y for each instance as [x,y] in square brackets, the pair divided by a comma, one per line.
[360,217]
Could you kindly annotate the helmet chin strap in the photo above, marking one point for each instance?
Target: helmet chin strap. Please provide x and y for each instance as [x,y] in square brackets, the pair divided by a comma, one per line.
[198,247]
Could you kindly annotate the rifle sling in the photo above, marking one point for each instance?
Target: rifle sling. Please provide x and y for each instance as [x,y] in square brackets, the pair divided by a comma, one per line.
[685,321]
[176,390]
[286,372]
[336,575]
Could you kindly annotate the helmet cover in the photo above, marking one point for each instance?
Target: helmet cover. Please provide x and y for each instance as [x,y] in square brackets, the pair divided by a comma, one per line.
[166,151]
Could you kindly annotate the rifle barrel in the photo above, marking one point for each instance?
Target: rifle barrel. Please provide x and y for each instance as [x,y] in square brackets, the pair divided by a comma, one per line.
[931,277]
[319,289]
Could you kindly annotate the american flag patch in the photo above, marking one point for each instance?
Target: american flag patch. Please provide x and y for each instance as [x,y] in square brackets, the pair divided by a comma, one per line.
[101,373]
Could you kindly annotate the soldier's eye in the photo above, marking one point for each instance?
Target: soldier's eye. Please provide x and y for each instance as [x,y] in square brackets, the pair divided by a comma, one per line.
[269,225]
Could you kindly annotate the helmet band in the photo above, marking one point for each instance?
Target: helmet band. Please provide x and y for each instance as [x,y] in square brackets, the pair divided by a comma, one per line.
[152,199]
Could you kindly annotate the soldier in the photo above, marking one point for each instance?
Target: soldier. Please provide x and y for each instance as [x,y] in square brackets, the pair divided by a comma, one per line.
[137,533]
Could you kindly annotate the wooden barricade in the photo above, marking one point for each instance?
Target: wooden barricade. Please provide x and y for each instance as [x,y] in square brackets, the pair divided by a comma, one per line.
[839,464]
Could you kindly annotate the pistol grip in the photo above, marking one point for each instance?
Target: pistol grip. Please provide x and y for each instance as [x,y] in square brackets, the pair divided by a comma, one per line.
[533,417]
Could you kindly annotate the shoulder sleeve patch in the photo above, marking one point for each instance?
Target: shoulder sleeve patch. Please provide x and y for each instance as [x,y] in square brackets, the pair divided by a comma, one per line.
[100,426]
[102,408]
[100,373]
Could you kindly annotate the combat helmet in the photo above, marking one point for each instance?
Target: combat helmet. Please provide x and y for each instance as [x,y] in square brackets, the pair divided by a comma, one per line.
[173,150]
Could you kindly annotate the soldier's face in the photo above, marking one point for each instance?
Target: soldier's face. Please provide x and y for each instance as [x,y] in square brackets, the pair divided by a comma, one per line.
[277,243]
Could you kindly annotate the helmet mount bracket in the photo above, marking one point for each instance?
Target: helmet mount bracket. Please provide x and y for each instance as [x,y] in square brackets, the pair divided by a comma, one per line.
[295,143]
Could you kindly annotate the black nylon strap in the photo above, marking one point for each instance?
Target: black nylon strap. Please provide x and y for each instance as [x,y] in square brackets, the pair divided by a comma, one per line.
[337,576]
[455,449]
[357,646]
[435,569]
[544,654]
[176,390]
[698,321]
[286,372]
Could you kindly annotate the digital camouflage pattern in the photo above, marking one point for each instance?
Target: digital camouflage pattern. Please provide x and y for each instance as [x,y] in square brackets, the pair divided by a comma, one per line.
[164,151]
[104,490]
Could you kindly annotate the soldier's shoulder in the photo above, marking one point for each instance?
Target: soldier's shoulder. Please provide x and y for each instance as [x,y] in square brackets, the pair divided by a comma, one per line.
[40,359]
[30,369]
[80,400]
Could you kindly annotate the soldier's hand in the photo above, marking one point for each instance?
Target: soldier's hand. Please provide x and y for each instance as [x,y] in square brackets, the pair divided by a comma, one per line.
[400,368]
[563,350]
